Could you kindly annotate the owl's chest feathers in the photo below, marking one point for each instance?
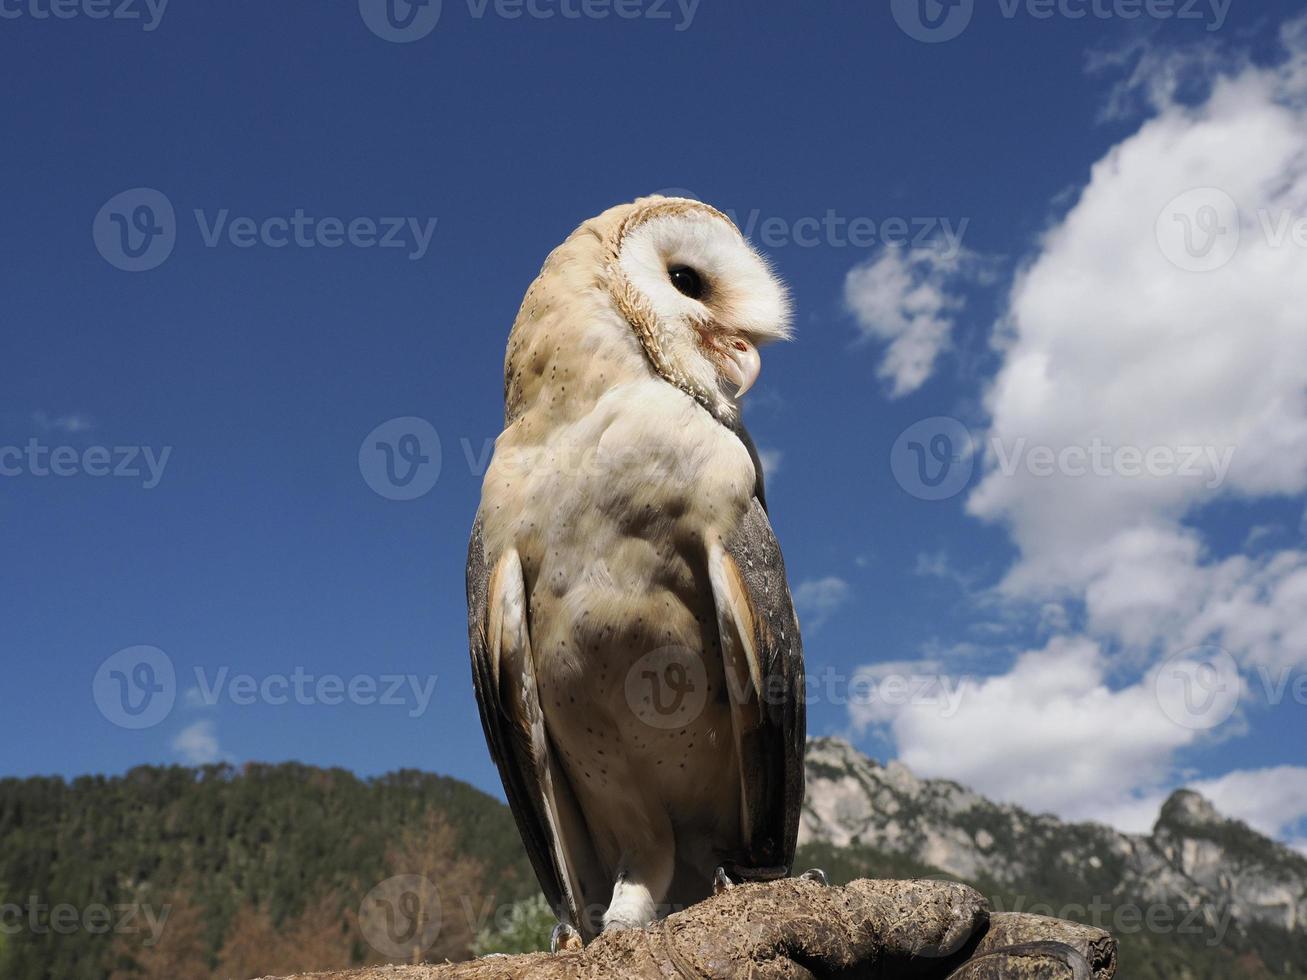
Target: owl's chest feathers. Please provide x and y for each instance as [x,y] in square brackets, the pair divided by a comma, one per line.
[609,513]
[645,462]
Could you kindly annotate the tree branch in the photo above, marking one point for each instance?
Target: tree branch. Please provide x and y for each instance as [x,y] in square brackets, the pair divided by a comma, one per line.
[800,930]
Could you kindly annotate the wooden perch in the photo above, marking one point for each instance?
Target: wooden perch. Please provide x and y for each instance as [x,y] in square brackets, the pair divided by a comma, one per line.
[801,930]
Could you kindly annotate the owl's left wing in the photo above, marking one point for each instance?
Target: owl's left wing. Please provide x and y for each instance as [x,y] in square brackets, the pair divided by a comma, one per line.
[503,673]
[763,656]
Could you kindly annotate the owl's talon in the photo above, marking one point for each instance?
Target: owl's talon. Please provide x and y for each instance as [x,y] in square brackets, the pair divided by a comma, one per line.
[565,939]
[721,882]
[817,875]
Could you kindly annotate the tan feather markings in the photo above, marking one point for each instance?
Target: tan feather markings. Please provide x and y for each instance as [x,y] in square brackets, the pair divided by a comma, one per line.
[736,627]
[732,593]
[519,697]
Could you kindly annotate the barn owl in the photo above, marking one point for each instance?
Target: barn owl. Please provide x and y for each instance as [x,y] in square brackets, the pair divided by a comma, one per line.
[635,651]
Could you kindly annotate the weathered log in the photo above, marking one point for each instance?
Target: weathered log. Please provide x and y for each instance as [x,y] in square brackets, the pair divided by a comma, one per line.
[801,930]
[1007,930]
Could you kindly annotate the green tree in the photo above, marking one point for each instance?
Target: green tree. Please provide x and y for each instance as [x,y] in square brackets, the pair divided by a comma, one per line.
[523,928]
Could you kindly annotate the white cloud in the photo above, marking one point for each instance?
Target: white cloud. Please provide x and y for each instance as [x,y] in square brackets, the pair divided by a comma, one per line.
[771,462]
[194,698]
[197,744]
[1107,341]
[869,707]
[1051,735]
[909,299]
[938,564]
[1053,618]
[819,599]
[70,424]
[1259,533]
[1273,801]
[934,564]
[1153,77]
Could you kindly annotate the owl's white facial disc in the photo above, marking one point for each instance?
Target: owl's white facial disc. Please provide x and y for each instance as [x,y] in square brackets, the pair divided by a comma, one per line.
[703,300]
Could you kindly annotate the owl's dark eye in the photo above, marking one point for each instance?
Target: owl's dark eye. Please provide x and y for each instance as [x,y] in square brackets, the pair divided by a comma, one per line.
[687,281]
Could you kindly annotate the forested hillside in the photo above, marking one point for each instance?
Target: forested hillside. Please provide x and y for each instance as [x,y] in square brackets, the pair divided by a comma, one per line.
[239,872]
[180,874]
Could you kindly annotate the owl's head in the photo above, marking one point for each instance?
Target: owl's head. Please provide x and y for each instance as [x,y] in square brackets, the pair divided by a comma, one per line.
[699,298]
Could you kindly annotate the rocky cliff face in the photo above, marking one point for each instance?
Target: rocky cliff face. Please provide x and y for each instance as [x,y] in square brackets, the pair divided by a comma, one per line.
[1218,873]
[1262,880]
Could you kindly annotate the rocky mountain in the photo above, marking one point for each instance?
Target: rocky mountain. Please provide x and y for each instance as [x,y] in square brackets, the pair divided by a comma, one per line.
[1197,877]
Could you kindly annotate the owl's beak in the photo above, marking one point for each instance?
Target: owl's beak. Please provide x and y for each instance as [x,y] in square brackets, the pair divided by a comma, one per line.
[742,364]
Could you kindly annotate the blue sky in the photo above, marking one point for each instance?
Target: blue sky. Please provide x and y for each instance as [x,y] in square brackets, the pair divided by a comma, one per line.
[1030,148]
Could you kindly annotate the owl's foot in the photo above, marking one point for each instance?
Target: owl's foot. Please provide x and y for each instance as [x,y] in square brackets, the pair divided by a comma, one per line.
[817,875]
[632,905]
[721,882]
[565,939]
